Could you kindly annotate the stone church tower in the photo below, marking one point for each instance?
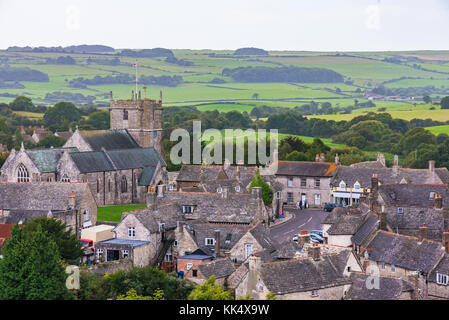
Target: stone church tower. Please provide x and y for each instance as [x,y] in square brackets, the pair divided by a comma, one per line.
[142,118]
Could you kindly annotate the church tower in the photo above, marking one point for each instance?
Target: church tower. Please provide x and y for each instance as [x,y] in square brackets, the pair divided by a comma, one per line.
[142,118]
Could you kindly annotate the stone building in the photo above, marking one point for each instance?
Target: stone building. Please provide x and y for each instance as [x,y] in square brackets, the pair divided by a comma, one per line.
[305,181]
[72,203]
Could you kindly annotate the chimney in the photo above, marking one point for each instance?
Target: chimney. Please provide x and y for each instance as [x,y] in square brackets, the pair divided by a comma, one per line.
[438,201]
[337,159]
[314,252]
[302,239]
[226,164]
[217,243]
[396,165]
[22,129]
[317,157]
[256,193]
[374,183]
[42,126]
[70,130]
[72,200]
[431,166]
[383,220]
[446,240]
[181,226]
[322,158]
[423,233]
[381,158]
[160,190]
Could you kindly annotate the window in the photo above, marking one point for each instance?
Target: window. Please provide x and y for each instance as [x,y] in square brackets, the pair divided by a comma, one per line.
[168,257]
[68,219]
[432,196]
[100,253]
[219,189]
[209,241]
[124,185]
[382,265]
[125,114]
[290,197]
[393,268]
[22,174]
[237,189]
[317,183]
[175,243]
[289,182]
[228,238]
[314,293]
[317,199]
[303,182]
[400,210]
[357,186]
[86,215]
[194,273]
[442,279]
[98,186]
[154,134]
[278,194]
[131,232]
[109,185]
[49,179]
[161,227]
[170,187]
[65,178]
[342,185]
[187,209]
[125,253]
[349,269]
[248,250]
[189,265]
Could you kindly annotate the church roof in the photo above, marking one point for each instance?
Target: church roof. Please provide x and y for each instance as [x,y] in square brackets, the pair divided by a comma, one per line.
[46,159]
[109,139]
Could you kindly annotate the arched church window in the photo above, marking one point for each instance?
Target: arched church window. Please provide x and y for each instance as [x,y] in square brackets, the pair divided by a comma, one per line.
[22,174]
[125,114]
[65,178]
[124,185]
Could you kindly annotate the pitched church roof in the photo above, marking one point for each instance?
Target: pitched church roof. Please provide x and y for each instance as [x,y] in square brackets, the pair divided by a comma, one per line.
[109,139]
[47,159]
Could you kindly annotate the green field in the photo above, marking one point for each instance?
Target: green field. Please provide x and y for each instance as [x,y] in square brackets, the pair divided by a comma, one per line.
[439,129]
[114,213]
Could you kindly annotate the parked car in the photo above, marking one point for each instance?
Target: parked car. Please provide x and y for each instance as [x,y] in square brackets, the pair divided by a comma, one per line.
[316,238]
[331,206]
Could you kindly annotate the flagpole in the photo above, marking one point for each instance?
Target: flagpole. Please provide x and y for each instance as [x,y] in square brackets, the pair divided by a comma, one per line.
[136,77]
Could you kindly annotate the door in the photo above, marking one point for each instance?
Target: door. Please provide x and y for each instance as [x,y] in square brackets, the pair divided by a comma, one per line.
[112,255]
[317,199]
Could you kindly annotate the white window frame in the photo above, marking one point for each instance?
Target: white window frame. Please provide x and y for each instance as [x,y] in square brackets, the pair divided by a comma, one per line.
[442,279]
[86,215]
[209,241]
[125,253]
[248,249]
[289,182]
[303,182]
[400,210]
[175,243]
[317,183]
[131,232]
[314,293]
[237,189]
[185,211]
[219,190]
[393,268]
[100,253]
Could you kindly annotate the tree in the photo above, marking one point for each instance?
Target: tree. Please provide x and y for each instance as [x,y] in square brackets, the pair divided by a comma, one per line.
[99,120]
[427,99]
[68,246]
[60,112]
[209,290]
[256,96]
[296,156]
[414,137]
[21,103]
[445,103]
[31,268]
[132,295]
[267,192]
[51,141]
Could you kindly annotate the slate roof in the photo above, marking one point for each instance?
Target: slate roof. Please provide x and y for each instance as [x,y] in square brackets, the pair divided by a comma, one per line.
[47,159]
[40,196]
[303,168]
[197,173]
[111,160]
[237,208]
[169,214]
[23,216]
[220,268]
[297,275]
[442,267]
[404,251]
[64,134]
[365,230]
[202,230]
[134,243]
[263,236]
[286,250]
[389,288]
[368,164]
[351,175]
[346,225]
[413,195]
[109,139]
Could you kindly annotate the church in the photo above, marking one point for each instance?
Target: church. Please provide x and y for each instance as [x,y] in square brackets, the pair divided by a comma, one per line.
[119,164]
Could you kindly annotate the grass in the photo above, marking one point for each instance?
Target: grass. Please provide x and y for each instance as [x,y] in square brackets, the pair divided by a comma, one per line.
[30,115]
[114,213]
[439,129]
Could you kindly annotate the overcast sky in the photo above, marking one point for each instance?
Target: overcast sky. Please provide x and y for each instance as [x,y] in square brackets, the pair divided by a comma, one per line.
[321,25]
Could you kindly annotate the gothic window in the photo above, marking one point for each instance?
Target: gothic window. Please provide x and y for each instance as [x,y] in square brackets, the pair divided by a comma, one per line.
[125,114]
[65,178]
[124,185]
[109,185]
[22,174]
[98,186]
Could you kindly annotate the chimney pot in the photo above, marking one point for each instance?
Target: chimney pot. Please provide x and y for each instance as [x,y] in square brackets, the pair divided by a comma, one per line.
[423,233]
[217,243]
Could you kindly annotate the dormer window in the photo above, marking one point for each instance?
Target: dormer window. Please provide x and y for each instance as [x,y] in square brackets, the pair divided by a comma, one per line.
[209,241]
[400,210]
[442,279]
[237,189]
[356,186]
[187,209]
[342,185]
[219,189]
[432,196]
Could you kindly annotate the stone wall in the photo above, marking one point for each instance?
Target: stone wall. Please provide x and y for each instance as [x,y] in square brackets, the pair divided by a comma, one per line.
[15,159]
[109,267]
[309,190]
[77,141]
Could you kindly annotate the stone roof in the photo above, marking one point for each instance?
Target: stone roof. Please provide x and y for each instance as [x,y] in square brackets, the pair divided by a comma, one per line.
[229,234]
[368,164]
[413,219]
[109,139]
[404,251]
[197,173]
[64,134]
[389,288]
[286,250]
[346,225]
[22,215]
[40,196]
[263,236]
[297,275]
[237,208]
[221,268]
[413,195]
[442,267]
[169,214]
[367,228]
[304,168]
[46,160]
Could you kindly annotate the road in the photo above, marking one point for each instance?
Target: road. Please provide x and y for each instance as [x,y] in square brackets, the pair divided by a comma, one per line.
[307,219]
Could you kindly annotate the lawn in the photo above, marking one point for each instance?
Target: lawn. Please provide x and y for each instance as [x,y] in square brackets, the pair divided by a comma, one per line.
[114,213]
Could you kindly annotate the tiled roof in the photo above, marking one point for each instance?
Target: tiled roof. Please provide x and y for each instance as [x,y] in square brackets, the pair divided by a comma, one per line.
[134,243]
[404,251]
[168,214]
[47,159]
[220,268]
[5,230]
[109,139]
[303,168]
[365,230]
[389,288]
[297,275]
[93,161]
[413,195]
[442,267]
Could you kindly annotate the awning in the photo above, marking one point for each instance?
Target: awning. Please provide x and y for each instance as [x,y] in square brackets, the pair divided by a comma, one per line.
[346,195]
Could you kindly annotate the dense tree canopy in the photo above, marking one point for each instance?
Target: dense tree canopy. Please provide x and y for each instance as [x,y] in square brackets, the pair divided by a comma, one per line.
[60,112]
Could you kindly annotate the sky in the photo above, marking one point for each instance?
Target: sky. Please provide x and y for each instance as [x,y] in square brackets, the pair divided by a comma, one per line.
[319,25]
